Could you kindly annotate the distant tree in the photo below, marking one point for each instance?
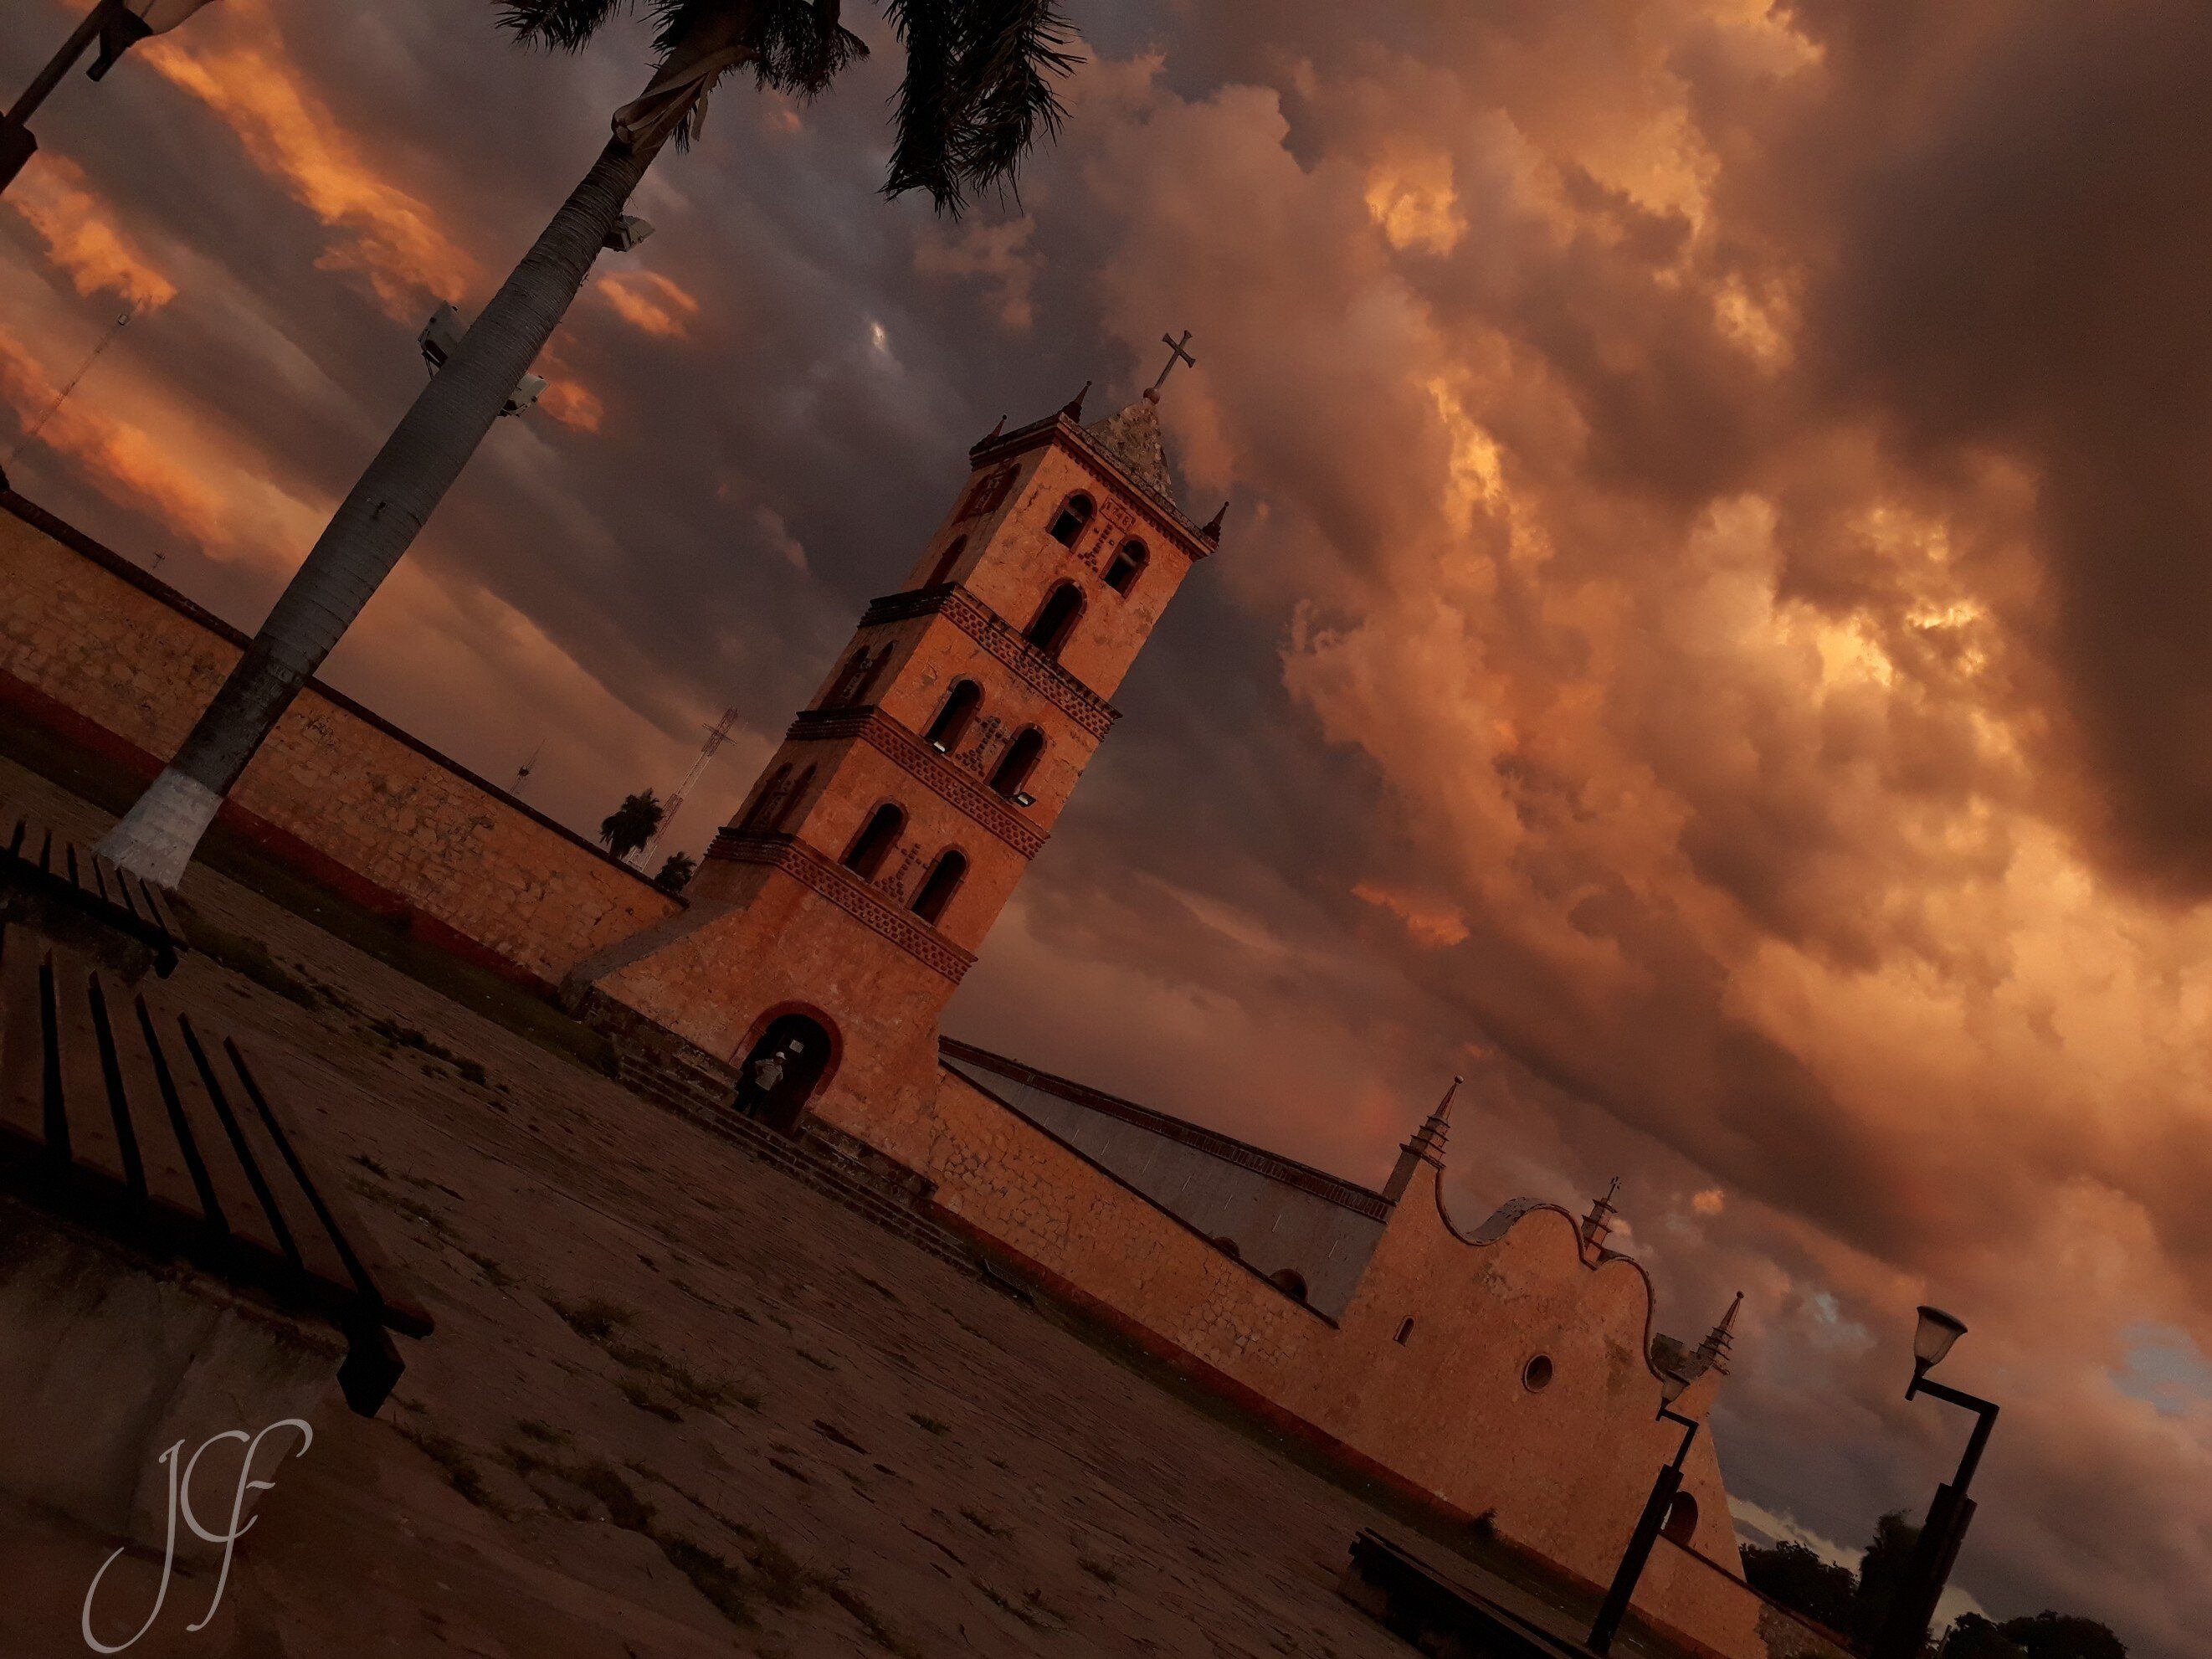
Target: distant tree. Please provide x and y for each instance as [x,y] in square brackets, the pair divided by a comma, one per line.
[676,870]
[1802,1581]
[2048,1635]
[1883,1571]
[1973,1636]
[630,825]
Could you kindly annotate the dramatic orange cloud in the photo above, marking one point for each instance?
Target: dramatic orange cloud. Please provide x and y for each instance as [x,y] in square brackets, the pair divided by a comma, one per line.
[83,235]
[648,300]
[234,63]
[1708,641]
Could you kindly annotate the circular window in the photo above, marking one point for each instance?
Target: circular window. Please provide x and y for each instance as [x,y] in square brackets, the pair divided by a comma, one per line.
[1536,1375]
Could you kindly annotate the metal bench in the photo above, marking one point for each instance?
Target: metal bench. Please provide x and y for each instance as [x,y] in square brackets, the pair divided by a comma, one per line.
[44,864]
[121,1117]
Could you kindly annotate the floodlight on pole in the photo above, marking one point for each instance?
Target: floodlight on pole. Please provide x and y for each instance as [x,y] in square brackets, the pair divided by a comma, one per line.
[1933,1338]
[1914,1605]
[1613,1610]
[441,338]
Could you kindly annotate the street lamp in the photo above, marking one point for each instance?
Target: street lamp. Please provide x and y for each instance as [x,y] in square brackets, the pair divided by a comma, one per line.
[1648,1525]
[117,25]
[1906,1628]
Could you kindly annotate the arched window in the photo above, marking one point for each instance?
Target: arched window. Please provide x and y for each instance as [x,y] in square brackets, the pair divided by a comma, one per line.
[943,882]
[946,560]
[1290,1281]
[1404,1331]
[849,676]
[766,804]
[1013,772]
[785,808]
[1128,564]
[1681,1522]
[1055,618]
[1074,513]
[869,848]
[952,719]
[864,687]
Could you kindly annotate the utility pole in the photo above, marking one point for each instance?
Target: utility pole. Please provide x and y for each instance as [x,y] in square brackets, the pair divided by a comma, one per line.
[715,736]
[83,369]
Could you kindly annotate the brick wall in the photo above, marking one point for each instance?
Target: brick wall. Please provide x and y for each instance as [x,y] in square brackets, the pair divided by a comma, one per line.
[93,645]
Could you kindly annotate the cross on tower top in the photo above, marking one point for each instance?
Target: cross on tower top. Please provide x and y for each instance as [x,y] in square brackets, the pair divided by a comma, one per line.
[1176,355]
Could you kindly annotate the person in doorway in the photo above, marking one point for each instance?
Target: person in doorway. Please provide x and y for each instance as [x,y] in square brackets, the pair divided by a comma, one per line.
[768,1075]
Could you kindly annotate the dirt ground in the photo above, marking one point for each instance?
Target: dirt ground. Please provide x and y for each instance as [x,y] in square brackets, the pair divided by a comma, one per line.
[677,1404]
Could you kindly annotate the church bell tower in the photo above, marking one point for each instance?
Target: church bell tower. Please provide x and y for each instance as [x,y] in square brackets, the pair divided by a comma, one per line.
[832,918]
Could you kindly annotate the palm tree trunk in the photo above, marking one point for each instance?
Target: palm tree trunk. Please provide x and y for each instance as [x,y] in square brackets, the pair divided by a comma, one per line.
[376,523]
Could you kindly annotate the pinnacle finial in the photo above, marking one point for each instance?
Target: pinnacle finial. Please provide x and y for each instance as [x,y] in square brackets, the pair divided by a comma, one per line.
[996,430]
[1713,1352]
[1598,1223]
[1211,530]
[1074,408]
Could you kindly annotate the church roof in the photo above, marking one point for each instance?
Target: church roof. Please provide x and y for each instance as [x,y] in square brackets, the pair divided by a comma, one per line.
[1009,1080]
[1132,438]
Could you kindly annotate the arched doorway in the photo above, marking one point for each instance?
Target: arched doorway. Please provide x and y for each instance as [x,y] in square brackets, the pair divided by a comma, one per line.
[781,1074]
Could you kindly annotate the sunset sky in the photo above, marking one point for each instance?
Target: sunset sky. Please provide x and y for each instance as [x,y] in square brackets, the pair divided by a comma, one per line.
[1709,640]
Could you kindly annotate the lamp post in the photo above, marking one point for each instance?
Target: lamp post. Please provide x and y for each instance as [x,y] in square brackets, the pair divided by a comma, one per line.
[1648,1524]
[118,26]
[1906,1630]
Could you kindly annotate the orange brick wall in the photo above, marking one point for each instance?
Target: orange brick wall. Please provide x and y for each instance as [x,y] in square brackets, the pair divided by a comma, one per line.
[1563,1472]
[128,662]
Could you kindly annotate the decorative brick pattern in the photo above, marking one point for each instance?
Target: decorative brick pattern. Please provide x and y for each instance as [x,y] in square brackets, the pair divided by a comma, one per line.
[848,893]
[939,772]
[1003,641]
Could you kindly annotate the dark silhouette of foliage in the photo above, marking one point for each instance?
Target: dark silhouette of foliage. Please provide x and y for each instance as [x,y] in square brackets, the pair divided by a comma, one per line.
[1856,1605]
[1803,1583]
[979,89]
[676,870]
[2048,1635]
[1973,1636]
[630,825]
[1883,1571]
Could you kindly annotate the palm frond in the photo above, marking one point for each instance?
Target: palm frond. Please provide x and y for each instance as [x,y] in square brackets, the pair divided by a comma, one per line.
[558,24]
[796,46]
[803,46]
[928,113]
[978,93]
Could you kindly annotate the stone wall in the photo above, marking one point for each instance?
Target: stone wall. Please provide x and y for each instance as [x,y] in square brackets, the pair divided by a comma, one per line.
[1445,1414]
[1785,1635]
[93,645]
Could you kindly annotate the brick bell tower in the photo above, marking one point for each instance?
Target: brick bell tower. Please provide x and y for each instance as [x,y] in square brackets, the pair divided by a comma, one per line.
[829,922]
